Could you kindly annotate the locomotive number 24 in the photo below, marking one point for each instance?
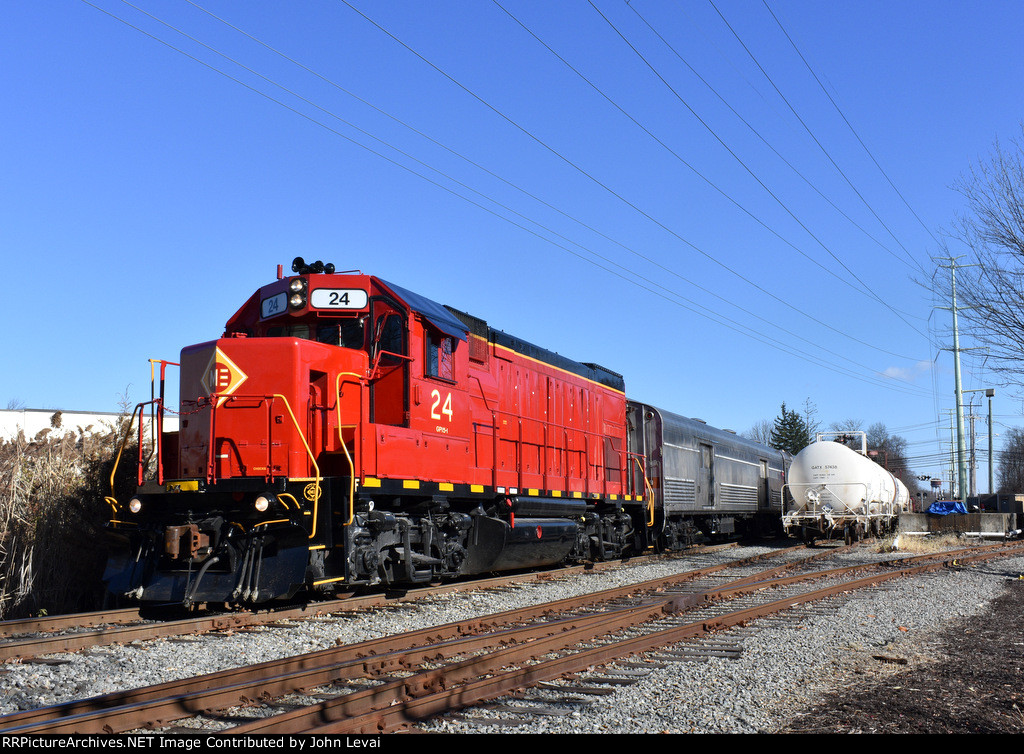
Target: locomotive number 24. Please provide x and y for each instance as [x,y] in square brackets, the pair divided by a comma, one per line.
[437,408]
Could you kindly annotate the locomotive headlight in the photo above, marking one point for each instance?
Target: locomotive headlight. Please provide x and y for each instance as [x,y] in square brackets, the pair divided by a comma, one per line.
[297,297]
[262,503]
[134,505]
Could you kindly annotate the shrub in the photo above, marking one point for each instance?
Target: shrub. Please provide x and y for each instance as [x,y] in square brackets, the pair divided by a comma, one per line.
[52,513]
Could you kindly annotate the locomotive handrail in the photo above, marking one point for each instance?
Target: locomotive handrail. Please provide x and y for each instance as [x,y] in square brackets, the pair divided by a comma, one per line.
[157,419]
[139,409]
[312,460]
[112,499]
[158,440]
[648,489]
[376,361]
[587,434]
[341,437]
[269,399]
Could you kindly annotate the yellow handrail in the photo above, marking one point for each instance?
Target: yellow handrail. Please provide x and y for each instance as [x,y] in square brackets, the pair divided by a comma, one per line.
[112,500]
[341,439]
[312,460]
[650,492]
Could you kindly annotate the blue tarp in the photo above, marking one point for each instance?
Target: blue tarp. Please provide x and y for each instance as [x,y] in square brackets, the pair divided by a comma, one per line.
[945,507]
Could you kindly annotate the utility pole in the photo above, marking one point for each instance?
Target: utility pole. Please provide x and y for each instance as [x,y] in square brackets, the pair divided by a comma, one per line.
[991,475]
[952,458]
[960,443]
[973,465]
[989,392]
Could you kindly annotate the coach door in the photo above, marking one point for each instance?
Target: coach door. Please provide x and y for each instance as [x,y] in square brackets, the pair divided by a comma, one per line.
[389,342]
[763,493]
[706,476]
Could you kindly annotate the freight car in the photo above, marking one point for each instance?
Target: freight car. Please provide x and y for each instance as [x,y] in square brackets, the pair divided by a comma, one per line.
[833,489]
[346,433]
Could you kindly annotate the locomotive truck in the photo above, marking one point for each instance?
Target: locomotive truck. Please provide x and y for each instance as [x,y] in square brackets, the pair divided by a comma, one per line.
[346,433]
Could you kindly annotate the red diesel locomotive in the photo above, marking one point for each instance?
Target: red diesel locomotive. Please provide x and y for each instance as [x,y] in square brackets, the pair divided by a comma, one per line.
[345,432]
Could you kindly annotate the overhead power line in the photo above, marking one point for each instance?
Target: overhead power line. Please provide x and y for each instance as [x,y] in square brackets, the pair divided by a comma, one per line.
[810,132]
[643,282]
[853,131]
[866,288]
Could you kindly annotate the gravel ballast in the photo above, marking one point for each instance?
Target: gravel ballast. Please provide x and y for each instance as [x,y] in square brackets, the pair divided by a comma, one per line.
[784,667]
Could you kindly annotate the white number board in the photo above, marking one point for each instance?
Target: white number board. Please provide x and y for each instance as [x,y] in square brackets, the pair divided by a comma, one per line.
[338,298]
[274,305]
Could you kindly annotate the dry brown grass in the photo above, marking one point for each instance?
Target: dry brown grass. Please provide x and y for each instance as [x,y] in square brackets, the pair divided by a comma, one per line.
[921,544]
[51,517]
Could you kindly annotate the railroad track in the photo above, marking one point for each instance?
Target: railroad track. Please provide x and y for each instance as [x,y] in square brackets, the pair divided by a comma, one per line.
[390,683]
[28,638]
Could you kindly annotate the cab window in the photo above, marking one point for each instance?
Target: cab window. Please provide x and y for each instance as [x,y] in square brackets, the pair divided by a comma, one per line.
[439,359]
[389,337]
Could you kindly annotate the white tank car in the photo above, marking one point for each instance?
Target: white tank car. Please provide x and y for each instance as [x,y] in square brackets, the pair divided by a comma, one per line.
[834,489]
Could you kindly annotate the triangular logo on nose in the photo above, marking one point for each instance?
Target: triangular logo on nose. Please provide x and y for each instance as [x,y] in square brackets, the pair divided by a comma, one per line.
[222,377]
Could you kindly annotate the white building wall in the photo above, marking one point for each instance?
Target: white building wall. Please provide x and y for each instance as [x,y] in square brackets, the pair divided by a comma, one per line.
[34,420]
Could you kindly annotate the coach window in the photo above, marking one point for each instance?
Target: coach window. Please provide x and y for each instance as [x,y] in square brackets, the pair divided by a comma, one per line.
[439,360]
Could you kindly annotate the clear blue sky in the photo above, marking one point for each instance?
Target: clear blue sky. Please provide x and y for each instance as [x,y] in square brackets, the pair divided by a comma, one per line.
[727,202]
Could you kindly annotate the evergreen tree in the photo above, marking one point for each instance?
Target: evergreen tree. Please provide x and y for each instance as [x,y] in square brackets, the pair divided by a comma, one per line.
[790,432]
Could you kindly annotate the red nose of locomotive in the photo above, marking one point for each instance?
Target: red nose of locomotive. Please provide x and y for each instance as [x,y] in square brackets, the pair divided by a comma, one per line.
[261,407]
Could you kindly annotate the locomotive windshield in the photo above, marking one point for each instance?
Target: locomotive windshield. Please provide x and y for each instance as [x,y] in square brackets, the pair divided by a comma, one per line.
[347,333]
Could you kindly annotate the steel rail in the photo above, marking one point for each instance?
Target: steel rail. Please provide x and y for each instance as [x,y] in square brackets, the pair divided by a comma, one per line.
[137,713]
[60,622]
[125,711]
[773,574]
[16,626]
[371,700]
[70,642]
[92,637]
[108,713]
[24,648]
[400,714]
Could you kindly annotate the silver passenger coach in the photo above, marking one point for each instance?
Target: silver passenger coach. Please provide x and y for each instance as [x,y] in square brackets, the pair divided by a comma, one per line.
[704,479]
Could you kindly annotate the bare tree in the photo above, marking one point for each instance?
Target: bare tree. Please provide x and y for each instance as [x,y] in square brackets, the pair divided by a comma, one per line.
[1011,463]
[761,432]
[888,451]
[811,418]
[853,427]
[990,279]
